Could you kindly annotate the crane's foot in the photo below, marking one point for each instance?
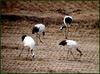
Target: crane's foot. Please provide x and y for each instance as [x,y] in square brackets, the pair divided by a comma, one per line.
[66,37]
[81,54]
[33,58]
[41,41]
[19,55]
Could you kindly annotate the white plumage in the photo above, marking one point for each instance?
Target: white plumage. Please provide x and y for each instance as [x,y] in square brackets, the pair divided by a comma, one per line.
[41,27]
[38,28]
[71,45]
[29,42]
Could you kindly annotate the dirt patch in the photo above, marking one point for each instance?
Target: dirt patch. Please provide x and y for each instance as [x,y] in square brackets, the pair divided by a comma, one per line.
[50,57]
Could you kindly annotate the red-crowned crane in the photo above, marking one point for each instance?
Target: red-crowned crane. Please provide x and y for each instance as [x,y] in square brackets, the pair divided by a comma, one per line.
[39,28]
[67,24]
[28,41]
[71,44]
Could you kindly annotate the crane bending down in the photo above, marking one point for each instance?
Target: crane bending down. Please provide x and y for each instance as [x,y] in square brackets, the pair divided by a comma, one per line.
[67,24]
[71,44]
[28,41]
[37,29]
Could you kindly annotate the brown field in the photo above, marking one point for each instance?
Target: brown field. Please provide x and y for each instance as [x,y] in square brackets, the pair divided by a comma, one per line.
[49,56]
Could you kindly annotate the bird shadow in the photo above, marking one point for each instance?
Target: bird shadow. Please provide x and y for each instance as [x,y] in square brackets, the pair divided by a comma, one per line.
[78,60]
[23,58]
[81,60]
[28,58]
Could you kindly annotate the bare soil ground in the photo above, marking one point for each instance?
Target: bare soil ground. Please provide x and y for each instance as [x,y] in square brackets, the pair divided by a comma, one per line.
[49,56]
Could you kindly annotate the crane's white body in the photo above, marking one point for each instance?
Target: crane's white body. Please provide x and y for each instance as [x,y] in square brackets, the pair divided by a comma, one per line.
[41,27]
[72,43]
[29,41]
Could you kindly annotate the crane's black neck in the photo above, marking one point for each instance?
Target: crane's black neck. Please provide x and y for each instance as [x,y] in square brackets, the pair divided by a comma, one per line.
[35,29]
[23,37]
[63,43]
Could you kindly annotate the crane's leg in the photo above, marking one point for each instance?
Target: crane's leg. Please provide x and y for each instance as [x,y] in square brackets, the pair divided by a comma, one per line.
[68,31]
[68,27]
[36,38]
[31,51]
[37,41]
[28,53]
[40,38]
[21,51]
[79,52]
[65,33]
[32,54]
[43,34]
[68,54]
[72,54]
